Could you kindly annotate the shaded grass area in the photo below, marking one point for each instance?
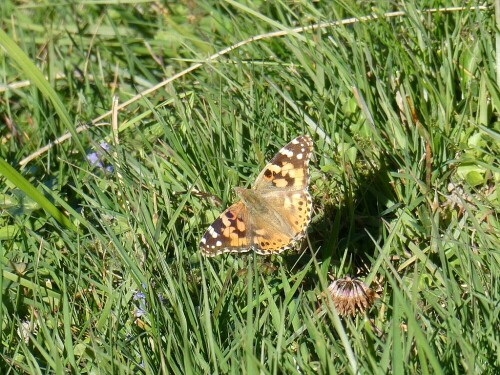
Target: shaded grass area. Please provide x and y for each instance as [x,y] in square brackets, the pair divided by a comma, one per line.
[403,113]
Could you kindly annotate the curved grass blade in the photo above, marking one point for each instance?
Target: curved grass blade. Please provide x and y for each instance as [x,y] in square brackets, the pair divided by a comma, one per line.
[31,191]
[37,78]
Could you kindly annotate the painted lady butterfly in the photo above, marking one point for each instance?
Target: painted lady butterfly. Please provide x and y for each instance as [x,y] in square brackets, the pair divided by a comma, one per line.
[271,216]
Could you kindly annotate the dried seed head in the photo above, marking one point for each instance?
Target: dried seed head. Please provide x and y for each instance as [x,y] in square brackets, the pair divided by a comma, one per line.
[351,296]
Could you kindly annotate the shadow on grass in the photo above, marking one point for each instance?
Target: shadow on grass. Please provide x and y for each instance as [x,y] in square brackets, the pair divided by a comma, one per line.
[349,229]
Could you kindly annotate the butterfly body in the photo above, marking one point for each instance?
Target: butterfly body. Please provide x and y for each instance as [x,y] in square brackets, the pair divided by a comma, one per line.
[273,215]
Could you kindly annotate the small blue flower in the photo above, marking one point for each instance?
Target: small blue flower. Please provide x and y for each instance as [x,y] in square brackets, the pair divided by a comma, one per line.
[104,146]
[93,159]
[139,296]
[161,298]
[96,158]
[139,312]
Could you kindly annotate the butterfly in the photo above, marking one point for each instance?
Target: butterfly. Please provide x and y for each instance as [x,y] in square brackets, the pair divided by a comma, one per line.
[274,214]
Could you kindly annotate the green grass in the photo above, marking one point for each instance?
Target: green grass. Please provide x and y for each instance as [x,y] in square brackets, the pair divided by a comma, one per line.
[101,271]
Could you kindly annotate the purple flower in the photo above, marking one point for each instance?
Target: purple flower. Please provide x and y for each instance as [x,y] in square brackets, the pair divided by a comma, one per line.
[96,158]
[93,159]
[104,146]
[139,312]
[139,296]
[161,298]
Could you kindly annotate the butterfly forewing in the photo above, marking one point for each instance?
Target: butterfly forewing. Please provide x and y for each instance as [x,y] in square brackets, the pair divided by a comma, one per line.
[289,168]
[228,233]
